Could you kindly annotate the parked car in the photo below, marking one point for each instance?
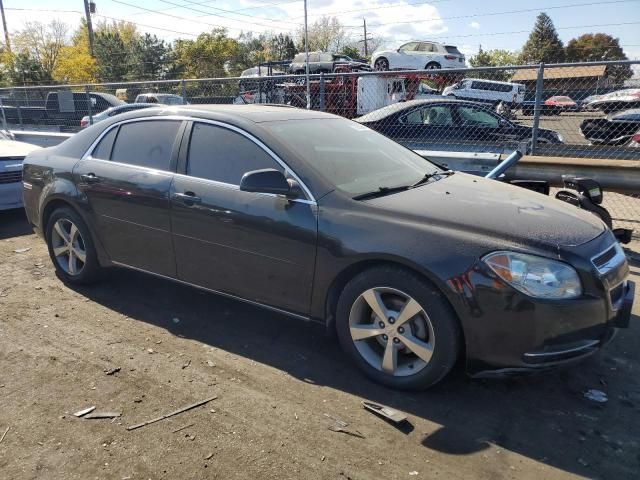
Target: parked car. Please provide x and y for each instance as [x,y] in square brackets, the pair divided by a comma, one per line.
[63,107]
[489,91]
[615,129]
[635,140]
[110,112]
[618,100]
[163,98]
[559,103]
[585,103]
[321,218]
[418,55]
[322,62]
[12,154]
[450,122]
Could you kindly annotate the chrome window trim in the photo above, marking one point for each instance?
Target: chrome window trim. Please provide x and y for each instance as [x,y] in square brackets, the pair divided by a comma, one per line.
[310,198]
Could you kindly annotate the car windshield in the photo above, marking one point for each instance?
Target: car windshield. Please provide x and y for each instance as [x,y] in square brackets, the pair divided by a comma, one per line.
[350,156]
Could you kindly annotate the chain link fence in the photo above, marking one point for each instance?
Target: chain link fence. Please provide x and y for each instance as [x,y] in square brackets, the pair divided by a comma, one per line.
[467,119]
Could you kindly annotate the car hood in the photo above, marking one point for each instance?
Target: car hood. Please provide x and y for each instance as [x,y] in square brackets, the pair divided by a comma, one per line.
[489,207]
[12,148]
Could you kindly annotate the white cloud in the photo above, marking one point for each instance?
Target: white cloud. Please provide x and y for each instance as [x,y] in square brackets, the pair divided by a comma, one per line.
[475,25]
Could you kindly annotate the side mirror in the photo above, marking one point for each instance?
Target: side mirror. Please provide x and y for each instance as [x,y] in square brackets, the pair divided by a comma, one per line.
[269,180]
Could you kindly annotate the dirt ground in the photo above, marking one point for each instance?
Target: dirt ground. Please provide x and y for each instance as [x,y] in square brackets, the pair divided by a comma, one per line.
[275,378]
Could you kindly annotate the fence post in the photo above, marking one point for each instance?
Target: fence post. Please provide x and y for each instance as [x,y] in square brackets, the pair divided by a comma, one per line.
[322,105]
[15,99]
[4,118]
[259,90]
[537,107]
[89,109]
[184,90]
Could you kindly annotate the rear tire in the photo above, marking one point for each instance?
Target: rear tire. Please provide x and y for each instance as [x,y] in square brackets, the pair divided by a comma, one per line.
[432,66]
[71,248]
[381,64]
[407,351]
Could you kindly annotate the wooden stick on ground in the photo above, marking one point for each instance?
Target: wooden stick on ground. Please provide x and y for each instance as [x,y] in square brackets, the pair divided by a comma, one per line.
[4,434]
[183,409]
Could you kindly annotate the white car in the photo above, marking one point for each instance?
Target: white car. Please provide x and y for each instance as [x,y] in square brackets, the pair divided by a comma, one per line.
[12,154]
[418,56]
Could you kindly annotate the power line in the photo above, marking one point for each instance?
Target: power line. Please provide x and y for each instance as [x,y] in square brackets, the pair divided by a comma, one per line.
[508,12]
[190,19]
[341,12]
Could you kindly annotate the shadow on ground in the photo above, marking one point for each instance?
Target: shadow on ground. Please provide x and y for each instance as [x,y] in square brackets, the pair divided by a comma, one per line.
[543,417]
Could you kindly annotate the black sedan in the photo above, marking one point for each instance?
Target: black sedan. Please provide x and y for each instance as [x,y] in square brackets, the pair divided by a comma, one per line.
[615,129]
[323,219]
[450,121]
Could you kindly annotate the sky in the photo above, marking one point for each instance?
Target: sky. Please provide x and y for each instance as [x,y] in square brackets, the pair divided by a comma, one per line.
[465,23]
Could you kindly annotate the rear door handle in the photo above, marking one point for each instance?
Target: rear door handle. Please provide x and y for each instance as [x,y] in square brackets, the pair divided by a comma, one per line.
[188,198]
[89,178]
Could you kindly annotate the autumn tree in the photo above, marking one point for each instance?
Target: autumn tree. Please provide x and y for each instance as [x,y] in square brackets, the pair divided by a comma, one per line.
[544,44]
[593,47]
[207,56]
[75,65]
[326,34]
[41,43]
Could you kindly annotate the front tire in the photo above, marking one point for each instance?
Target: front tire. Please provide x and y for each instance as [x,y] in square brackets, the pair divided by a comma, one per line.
[71,247]
[381,64]
[397,328]
[432,66]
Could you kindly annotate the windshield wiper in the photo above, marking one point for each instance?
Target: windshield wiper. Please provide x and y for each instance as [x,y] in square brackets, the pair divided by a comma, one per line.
[381,192]
[429,176]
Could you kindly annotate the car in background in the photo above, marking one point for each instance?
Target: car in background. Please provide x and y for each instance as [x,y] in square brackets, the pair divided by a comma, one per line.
[635,140]
[319,218]
[110,112]
[585,103]
[618,100]
[488,91]
[12,154]
[616,129]
[322,62]
[559,103]
[418,55]
[451,123]
[163,98]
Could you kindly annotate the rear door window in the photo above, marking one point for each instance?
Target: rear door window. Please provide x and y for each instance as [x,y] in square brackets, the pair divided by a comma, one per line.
[476,117]
[103,149]
[146,144]
[437,115]
[219,154]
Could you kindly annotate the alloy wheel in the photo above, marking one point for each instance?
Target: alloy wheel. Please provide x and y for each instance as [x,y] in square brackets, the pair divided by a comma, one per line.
[382,65]
[68,247]
[391,331]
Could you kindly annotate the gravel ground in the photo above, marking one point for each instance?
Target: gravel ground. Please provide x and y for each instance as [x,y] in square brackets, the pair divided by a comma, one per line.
[275,378]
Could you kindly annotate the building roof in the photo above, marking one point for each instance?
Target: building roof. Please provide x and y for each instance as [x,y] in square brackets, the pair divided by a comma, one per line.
[560,72]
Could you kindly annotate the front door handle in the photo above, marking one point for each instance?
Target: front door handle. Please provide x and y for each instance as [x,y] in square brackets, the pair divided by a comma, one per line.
[188,198]
[89,178]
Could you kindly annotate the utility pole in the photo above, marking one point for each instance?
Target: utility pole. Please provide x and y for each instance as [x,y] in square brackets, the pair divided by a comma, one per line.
[4,25]
[306,51]
[87,11]
[366,49]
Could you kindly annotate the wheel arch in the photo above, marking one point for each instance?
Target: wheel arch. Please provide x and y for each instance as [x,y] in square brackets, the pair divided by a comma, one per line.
[349,272]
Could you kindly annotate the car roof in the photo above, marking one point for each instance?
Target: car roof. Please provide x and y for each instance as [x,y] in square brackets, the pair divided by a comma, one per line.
[389,110]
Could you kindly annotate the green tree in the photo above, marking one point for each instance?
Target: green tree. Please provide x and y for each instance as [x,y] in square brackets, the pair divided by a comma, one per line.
[282,48]
[325,34]
[592,47]
[112,57]
[494,58]
[544,44]
[208,56]
[23,69]
[350,51]
[148,57]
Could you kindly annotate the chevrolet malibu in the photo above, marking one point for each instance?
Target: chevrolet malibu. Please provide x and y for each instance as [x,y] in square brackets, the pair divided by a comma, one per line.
[323,219]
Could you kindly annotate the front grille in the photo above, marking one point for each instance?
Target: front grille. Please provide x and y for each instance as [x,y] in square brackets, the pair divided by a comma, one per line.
[11,177]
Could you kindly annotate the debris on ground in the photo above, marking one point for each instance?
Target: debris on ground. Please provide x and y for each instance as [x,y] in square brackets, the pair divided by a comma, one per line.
[180,410]
[176,320]
[84,411]
[21,250]
[596,396]
[186,364]
[413,473]
[4,434]
[112,370]
[384,411]
[150,350]
[183,428]
[97,415]
[339,429]
[208,457]
[210,363]
[338,421]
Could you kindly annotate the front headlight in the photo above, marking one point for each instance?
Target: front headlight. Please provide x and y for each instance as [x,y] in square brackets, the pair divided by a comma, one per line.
[535,276]
[560,137]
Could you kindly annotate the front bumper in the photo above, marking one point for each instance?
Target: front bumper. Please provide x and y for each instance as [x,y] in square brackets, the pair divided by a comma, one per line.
[507,331]
[11,195]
